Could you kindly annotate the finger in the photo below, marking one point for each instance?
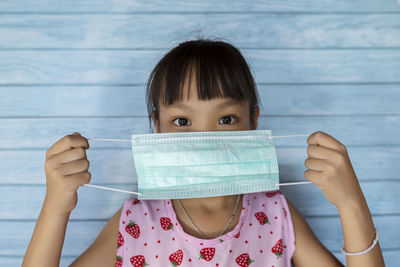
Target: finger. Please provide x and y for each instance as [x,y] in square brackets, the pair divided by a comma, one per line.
[73,167]
[313,176]
[67,142]
[324,139]
[321,152]
[70,155]
[315,164]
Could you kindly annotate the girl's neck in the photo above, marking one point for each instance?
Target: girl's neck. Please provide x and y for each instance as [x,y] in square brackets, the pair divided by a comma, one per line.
[209,214]
[209,204]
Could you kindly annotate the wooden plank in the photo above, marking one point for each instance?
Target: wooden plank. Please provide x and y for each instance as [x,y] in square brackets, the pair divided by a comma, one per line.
[109,6]
[157,30]
[303,195]
[42,133]
[25,202]
[15,236]
[133,67]
[317,99]
[116,166]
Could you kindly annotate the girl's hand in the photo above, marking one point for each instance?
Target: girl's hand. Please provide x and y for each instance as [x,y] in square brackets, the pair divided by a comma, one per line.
[329,167]
[66,169]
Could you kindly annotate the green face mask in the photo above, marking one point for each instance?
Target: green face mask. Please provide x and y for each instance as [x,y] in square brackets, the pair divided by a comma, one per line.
[204,164]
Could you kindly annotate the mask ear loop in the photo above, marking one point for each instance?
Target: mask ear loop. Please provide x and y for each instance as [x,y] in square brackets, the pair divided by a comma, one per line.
[137,193]
[295,183]
[112,189]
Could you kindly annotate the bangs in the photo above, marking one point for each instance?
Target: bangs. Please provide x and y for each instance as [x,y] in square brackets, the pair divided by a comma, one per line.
[215,72]
[219,69]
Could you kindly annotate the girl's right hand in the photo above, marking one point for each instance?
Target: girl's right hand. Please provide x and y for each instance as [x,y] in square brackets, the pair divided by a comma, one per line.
[66,169]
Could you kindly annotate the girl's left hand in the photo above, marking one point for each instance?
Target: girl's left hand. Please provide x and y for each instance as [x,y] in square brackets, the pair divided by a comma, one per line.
[329,167]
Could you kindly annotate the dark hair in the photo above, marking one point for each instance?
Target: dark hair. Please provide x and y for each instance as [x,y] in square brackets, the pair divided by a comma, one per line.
[221,71]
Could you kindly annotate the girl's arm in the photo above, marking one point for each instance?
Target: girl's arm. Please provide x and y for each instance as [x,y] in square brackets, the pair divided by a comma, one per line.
[329,167]
[47,240]
[358,234]
[66,169]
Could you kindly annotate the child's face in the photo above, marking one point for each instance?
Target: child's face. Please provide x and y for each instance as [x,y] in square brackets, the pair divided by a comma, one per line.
[218,114]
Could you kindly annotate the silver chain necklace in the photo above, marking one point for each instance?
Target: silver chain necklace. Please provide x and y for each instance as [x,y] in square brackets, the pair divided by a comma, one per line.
[226,226]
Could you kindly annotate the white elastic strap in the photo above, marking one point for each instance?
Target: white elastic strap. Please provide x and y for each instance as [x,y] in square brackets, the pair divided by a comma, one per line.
[112,189]
[364,251]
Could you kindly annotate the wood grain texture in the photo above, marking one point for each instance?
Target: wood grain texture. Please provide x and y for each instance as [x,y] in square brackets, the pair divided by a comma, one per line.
[154,31]
[133,66]
[109,6]
[82,66]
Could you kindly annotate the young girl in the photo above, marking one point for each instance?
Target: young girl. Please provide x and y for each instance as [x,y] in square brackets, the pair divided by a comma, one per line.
[205,85]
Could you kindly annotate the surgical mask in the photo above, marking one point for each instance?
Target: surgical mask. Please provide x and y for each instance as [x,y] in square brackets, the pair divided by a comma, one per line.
[181,165]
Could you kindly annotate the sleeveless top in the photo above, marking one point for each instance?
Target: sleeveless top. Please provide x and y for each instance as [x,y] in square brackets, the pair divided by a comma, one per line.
[150,234]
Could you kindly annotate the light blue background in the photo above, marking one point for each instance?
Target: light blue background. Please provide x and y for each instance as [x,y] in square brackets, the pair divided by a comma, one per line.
[70,66]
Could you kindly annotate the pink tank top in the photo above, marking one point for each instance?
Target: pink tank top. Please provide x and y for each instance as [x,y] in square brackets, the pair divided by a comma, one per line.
[150,234]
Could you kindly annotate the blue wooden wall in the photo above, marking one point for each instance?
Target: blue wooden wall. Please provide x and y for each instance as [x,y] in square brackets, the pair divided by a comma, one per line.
[70,66]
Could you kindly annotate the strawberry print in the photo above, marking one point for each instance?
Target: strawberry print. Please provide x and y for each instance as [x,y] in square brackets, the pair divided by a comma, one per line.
[262,217]
[120,240]
[237,235]
[138,260]
[207,253]
[128,212]
[176,258]
[136,201]
[271,194]
[244,260]
[118,261]
[277,249]
[133,229]
[166,223]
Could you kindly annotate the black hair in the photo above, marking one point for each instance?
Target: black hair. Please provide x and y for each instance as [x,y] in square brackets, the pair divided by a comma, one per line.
[220,71]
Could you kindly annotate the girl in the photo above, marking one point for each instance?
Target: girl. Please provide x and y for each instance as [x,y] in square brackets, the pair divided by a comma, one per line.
[205,85]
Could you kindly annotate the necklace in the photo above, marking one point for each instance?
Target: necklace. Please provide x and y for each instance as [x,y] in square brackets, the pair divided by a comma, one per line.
[226,226]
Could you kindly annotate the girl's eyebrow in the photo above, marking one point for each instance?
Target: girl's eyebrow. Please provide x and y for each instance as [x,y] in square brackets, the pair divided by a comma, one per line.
[221,105]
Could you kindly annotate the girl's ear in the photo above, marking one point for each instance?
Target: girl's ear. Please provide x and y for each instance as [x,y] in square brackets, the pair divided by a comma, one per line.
[255,118]
[155,122]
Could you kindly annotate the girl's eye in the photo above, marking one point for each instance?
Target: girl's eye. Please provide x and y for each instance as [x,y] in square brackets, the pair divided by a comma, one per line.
[181,121]
[228,120]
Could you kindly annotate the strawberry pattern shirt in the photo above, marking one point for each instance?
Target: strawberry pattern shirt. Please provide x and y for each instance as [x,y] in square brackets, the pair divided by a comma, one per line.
[150,235]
